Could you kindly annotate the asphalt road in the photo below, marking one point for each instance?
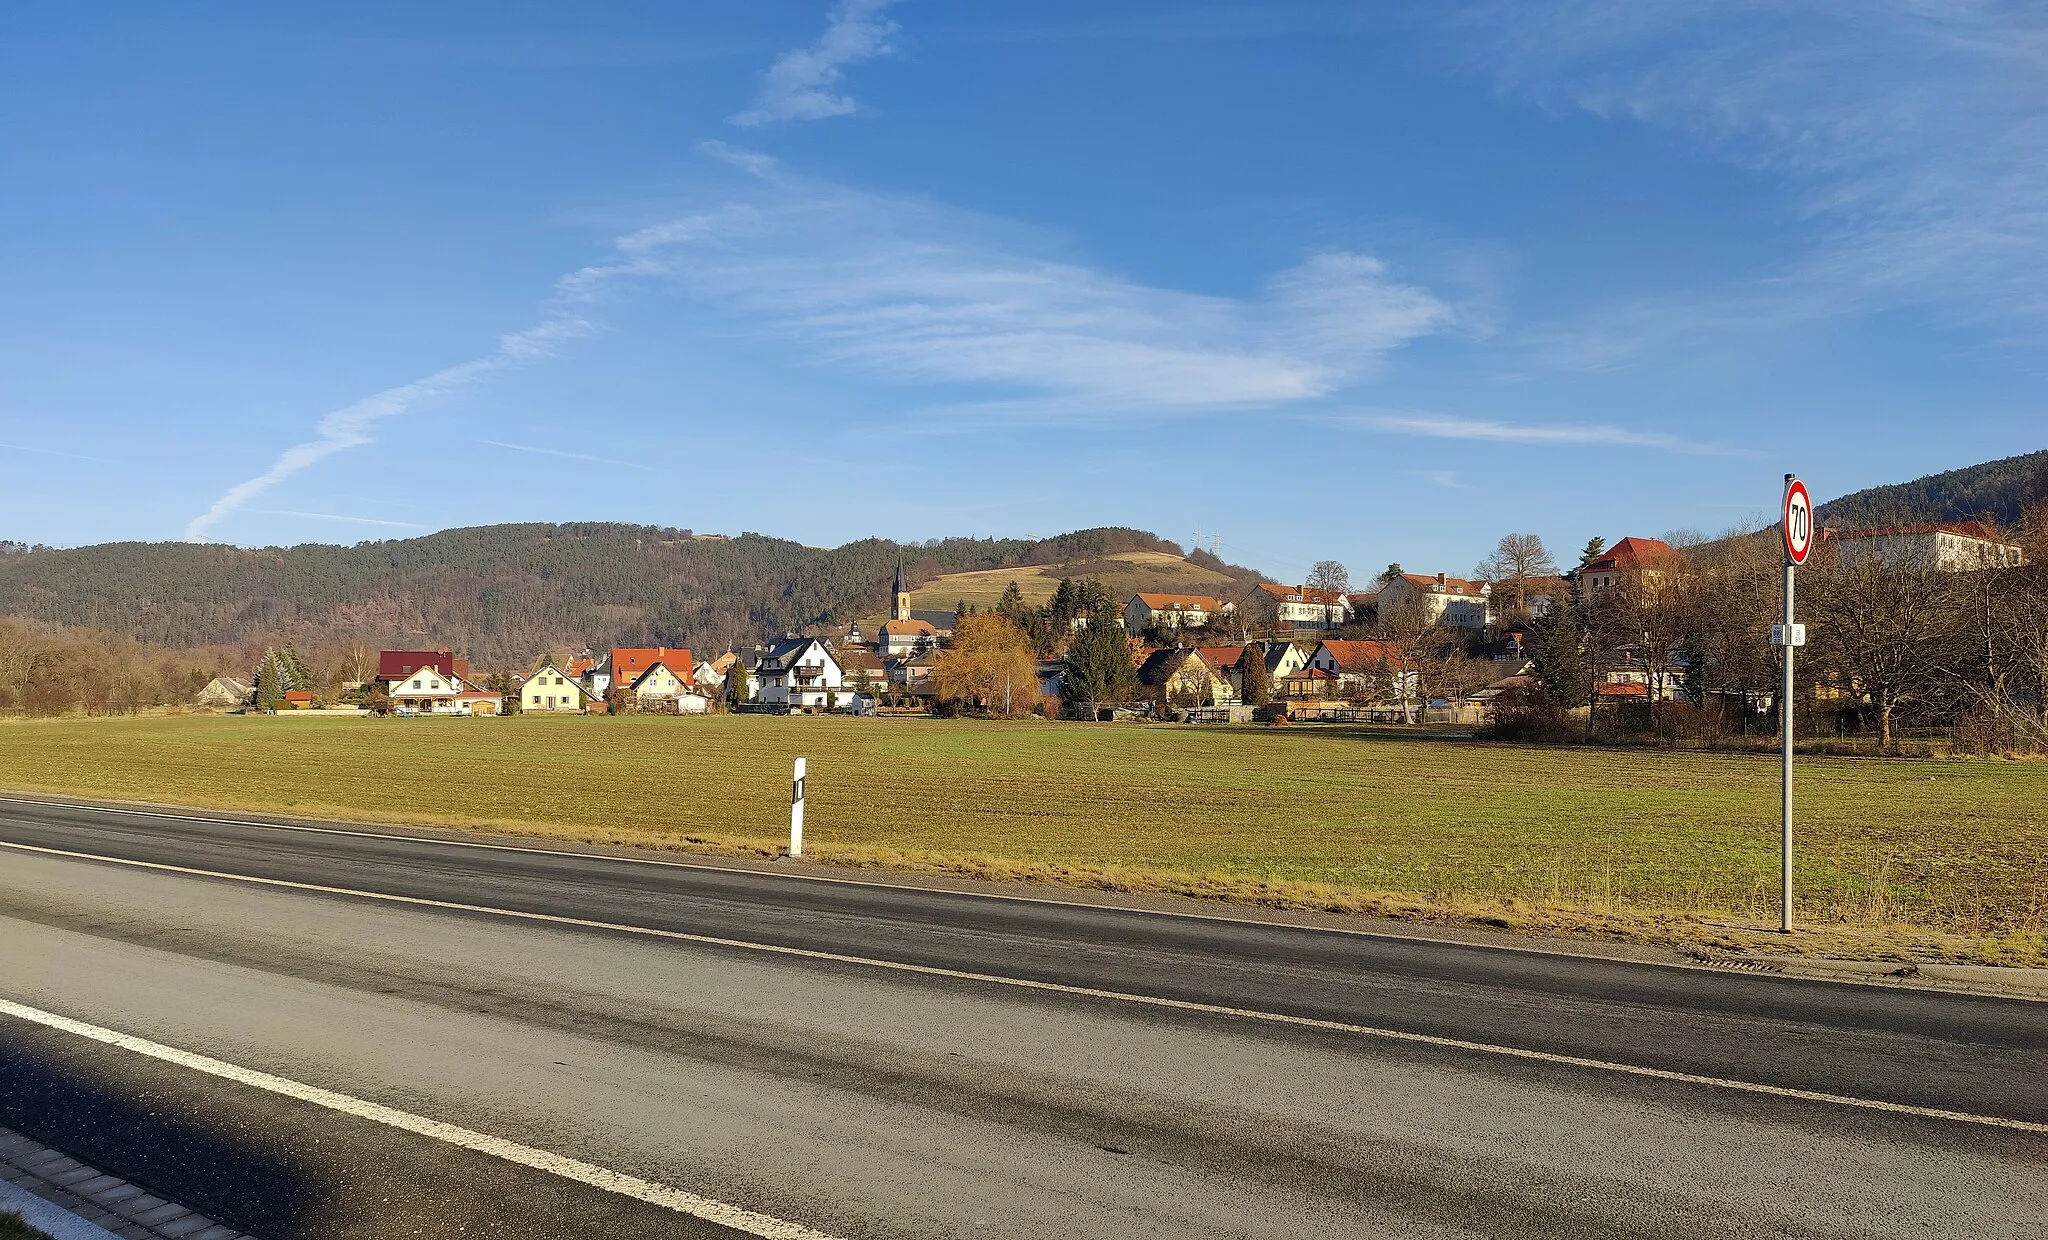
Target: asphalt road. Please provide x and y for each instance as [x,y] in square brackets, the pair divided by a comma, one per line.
[866,1101]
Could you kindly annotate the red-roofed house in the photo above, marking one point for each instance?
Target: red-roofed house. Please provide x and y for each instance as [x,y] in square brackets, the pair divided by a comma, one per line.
[1949,547]
[1452,602]
[1306,607]
[1171,611]
[400,664]
[1641,559]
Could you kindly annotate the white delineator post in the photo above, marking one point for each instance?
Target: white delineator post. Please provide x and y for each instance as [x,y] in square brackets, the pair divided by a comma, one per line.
[1797,527]
[796,811]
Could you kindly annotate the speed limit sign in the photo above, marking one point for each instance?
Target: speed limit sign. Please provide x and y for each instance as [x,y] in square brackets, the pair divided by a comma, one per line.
[1798,522]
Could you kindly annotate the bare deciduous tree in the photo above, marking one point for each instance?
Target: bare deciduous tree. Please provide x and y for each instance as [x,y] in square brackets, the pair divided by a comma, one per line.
[1515,559]
[1329,575]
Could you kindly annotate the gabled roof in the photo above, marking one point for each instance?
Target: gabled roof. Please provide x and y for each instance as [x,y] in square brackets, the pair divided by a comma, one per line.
[859,660]
[1537,587]
[908,628]
[1447,585]
[1633,554]
[1160,665]
[627,664]
[683,677]
[1302,594]
[1184,602]
[1358,656]
[1222,658]
[398,664]
[579,667]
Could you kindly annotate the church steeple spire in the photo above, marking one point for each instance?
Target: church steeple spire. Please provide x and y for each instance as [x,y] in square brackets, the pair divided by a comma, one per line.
[902,594]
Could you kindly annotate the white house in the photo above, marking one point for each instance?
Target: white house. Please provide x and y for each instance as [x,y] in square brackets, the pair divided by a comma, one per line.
[426,689]
[550,691]
[662,684]
[1171,611]
[800,672]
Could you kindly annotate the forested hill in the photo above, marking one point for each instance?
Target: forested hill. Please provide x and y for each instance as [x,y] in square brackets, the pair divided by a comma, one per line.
[502,593]
[1998,489]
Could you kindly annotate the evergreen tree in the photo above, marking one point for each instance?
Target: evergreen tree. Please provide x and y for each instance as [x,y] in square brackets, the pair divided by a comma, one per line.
[1594,546]
[1011,607]
[271,681]
[736,681]
[1258,681]
[1099,668]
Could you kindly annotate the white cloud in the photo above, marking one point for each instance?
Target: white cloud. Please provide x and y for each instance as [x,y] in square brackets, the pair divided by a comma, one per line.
[1446,426]
[915,292]
[567,456]
[1916,131]
[350,426]
[335,516]
[803,84]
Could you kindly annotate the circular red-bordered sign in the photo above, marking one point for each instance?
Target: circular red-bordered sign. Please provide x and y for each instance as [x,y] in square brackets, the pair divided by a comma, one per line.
[1797,523]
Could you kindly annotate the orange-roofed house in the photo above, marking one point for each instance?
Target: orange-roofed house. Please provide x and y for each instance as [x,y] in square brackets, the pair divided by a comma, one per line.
[1166,612]
[652,673]
[1452,602]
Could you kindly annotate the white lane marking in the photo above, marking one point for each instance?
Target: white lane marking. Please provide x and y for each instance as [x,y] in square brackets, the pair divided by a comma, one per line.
[1047,901]
[751,1222]
[1090,992]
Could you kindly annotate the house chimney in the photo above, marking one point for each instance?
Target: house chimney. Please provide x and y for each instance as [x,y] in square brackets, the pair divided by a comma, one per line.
[1439,581]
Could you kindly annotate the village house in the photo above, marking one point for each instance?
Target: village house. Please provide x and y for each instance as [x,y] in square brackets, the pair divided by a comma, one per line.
[1948,547]
[1308,608]
[551,691]
[1367,670]
[1181,677]
[225,692]
[800,673]
[1167,612]
[426,681]
[1539,594]
[1226,664]
[1647,561]
[666,681]
[1452,602]
[862,667]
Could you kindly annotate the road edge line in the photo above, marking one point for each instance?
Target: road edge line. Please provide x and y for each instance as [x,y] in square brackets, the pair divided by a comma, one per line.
[738,1218]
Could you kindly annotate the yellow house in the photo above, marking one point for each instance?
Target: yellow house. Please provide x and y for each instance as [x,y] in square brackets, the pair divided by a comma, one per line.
[552,691]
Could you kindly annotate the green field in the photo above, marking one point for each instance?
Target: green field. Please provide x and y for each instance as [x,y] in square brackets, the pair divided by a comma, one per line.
[1934,859]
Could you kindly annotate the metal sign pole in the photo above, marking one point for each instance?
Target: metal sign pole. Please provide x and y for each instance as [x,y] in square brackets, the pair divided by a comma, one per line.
[1785,712]
[796,811]
[1796,525]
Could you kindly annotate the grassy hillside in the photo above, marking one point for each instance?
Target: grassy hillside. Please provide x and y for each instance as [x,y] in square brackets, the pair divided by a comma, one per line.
[1939,859]
[2000,490]
[1125,573]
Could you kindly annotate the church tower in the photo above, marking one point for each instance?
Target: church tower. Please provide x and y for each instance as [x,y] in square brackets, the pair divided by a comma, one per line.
[902,594]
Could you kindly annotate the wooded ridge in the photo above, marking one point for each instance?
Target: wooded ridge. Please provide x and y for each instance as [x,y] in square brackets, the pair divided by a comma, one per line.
[502,592]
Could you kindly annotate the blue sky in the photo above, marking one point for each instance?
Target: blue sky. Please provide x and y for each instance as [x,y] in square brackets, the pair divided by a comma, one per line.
[1328,280]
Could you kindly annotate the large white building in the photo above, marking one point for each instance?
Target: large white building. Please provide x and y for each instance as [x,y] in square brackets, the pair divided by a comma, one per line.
[1170,611]
[1450,601]
[1952,547]
[800,672]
